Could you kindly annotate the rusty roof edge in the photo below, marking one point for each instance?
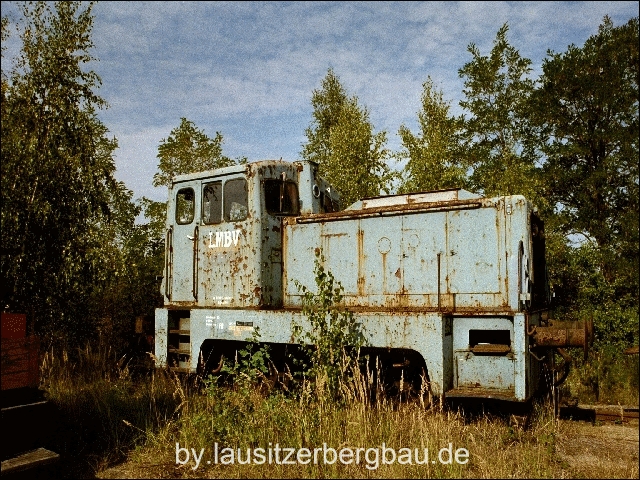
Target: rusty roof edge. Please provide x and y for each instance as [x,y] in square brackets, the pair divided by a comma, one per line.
[396,210]
[230,170]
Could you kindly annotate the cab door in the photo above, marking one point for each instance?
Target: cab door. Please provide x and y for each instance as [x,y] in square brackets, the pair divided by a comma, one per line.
[228,261]
[183,246]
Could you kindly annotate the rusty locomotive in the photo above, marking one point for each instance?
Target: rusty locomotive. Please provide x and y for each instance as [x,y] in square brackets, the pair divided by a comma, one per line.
[448,287]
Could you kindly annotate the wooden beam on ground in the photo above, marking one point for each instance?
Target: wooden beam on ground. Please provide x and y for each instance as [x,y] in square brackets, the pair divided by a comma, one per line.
[36,458]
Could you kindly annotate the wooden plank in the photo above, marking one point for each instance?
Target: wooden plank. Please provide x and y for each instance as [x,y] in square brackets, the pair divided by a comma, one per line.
[26,461]
[616,413]
[491,348]
[20,363]
[14,325]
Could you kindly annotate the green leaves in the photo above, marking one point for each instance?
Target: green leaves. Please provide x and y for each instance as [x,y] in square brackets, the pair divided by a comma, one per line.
[587,109]
[499,144]
[341,140]
[59,195]
[586,112]
[334,339]
[435,159]
[188,150]
[251,364]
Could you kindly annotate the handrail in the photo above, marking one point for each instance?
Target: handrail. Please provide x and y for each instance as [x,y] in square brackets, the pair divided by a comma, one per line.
[196,241]
[168,263]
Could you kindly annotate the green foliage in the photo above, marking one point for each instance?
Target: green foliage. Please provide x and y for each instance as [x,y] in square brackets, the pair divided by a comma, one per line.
[334,339]
[342,141]
[587,113]
[156,215]
[434,156]
[61,204]
[187,150]
[500,148]
[588,294]
[251,364]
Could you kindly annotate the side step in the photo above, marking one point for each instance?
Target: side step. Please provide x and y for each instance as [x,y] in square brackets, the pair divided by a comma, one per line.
[29,426]
[179,345]
[481,394]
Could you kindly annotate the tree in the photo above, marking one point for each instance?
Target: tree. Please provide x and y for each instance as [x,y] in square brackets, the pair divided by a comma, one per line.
[586,110]
[341,140]
[501,149]
[58,190]
[187,150]
[327,104]
[435,159]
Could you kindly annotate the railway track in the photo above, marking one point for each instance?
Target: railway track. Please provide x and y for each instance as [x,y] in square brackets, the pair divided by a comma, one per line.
[600,413]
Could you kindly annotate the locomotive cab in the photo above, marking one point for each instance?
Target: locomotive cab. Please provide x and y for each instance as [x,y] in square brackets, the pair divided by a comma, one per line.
[223,237]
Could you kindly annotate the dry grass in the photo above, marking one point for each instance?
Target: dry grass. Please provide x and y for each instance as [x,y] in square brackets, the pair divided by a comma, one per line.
[251,419]
[117,426]
[599,451]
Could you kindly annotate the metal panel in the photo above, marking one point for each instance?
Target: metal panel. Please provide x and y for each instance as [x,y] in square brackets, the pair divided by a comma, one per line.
[228,256]
[447,260]
[482,371]
[472,253]
[423,248]
[162,333]
[422,333]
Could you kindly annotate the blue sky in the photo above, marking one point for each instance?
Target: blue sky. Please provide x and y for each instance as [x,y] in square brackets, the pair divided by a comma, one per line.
[248,69]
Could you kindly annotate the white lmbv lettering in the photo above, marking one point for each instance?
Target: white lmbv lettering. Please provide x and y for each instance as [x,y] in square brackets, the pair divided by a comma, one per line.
[224,239]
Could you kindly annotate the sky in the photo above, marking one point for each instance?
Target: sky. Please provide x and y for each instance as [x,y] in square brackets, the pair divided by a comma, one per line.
[248,69]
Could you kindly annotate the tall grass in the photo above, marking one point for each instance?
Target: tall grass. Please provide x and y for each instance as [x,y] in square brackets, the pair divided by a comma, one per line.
[254,417]
[103,411]
[108,414]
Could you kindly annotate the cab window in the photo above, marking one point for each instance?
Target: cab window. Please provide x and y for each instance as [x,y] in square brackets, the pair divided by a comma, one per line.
[235,200]
[212,203]
[328,204]
[281,197]
[185,205]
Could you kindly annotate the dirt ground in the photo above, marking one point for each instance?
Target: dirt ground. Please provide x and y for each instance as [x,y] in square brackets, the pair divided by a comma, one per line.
[600,450]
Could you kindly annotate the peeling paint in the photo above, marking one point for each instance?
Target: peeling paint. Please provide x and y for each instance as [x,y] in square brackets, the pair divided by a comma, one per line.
[421,271]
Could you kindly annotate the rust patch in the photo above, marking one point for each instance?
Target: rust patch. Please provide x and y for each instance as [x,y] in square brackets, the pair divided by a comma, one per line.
[491,348]
[392,210]
[361,279]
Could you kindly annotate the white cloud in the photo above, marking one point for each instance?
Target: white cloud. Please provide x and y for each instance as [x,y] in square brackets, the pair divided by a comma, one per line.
[248,69]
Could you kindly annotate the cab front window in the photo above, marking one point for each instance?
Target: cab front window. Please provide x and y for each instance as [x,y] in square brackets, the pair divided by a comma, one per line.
[235,200]
[212,203]
[185,205]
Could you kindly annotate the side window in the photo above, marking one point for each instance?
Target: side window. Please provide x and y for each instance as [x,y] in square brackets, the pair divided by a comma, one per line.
[281,198]
[235,200]
[185,204]
[212,203]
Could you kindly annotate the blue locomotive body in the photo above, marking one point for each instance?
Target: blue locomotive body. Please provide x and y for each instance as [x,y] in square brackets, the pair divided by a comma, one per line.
[446,285]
